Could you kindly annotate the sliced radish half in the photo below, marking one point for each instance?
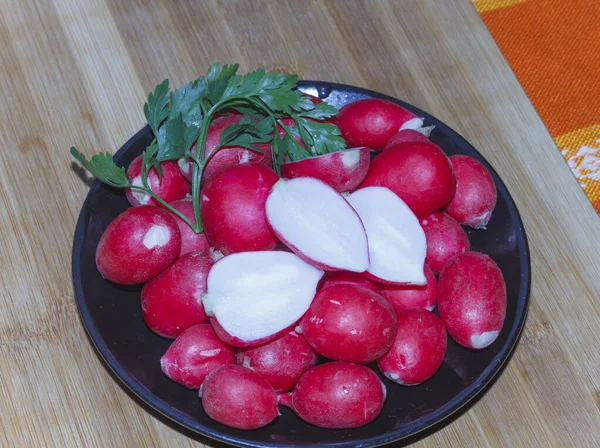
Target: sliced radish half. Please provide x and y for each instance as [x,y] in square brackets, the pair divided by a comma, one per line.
[318,224]
[397,245]
[254,296]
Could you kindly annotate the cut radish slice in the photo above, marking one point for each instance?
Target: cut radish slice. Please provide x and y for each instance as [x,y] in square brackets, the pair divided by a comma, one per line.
[397,243]
[254,296]
[318,224]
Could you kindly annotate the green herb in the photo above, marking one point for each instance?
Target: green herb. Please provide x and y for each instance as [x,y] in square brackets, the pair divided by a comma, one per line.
[155,109]
[181,119]
[323,138]
[185,101]
[103,168]
[247,132]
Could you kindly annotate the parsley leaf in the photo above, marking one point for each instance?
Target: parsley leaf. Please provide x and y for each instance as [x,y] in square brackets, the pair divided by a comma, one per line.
[276,90]
[156,109]
[103,168]
[289,146]
[321,137]
[175,138]
[186,101]
[243,108]
[247,132]
[190,135]
[218,80]
[320,111]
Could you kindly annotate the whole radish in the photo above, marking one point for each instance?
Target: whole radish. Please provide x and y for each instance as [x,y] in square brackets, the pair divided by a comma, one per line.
[372,122]
[475,197]
[138,245]
[418,350]
[445,238]
[318,224]
[233,208]
[169,186]
[171,302]
[472,299]
[418,172]
[281,362]
[190,240]
[337,395]
[412,296]
[194,354]
[406,135]
[347,278]
[238,397]
[342,170]
[255,297]
[349,323]
[228,155]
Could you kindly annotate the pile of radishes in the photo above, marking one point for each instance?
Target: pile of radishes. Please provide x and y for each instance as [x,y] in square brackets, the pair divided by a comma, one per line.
[299,281]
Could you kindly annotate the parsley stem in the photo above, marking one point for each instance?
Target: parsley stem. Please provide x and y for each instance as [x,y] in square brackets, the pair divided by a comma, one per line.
[197,171]
[199,159]
[166,205]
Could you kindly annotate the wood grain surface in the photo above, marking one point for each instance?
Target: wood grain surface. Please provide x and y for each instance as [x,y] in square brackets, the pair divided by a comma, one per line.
[76,72]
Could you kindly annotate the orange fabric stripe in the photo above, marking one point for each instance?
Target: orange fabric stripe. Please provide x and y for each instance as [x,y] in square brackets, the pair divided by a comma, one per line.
[553,46]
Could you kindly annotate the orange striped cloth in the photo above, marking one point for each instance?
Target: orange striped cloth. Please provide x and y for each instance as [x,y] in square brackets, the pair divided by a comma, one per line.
[553,46]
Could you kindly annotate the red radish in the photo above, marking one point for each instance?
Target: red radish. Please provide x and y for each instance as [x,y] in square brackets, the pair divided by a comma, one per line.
[194,354]
[396,240]
[190,240]
[233,208]
[318,224]
[472,299]
[281,362]
[409,297]
[337,395]
[418,172]
[138,245]
[406,135]
[172,301]
[347,278]
[445,238]
[349,323]
[228,155]
[372,122]
[342,170]
[418,350]
[254,297]
[238,397]
[170,187]
[475,197]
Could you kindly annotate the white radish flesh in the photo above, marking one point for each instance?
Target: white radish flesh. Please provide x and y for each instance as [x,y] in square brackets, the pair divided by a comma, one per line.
[255,295]
[318,224]
[397,245]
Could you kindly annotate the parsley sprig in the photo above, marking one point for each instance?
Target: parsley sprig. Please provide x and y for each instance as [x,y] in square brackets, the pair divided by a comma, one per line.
[180,120]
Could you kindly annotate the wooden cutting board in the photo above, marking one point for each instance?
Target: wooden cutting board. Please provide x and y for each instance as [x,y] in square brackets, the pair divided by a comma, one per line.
[76,72]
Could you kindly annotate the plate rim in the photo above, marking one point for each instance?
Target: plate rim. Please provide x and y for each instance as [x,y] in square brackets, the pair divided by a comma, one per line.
[441,414]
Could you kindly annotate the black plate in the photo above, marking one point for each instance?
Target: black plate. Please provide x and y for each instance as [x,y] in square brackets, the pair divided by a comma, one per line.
[112,317]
